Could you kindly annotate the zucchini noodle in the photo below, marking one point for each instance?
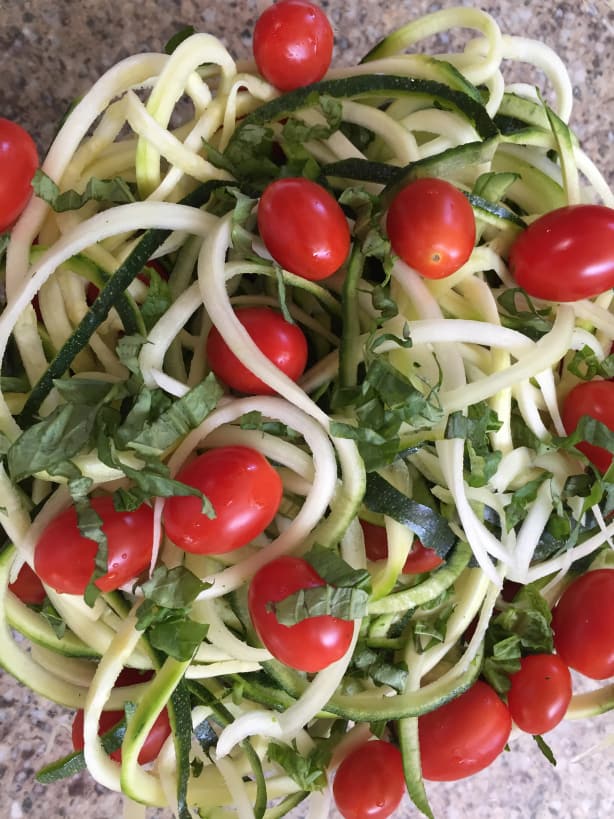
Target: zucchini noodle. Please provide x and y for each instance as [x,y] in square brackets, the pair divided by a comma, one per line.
[430,407]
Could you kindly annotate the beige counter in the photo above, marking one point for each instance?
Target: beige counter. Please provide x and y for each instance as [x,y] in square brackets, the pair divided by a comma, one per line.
[49,53]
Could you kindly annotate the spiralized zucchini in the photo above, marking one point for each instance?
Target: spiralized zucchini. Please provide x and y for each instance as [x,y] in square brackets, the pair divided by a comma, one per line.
[404,114]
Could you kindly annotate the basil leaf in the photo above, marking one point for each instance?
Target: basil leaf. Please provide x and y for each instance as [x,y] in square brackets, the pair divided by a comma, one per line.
[345,603]
[181,417]
[521,498]
[519,313]
[428,524]
[585,365]
[158,298]
[112,191]
[54,619]
[333,569]
[173,588]
[87,391]
[178,638]
[307,770]
[545,749]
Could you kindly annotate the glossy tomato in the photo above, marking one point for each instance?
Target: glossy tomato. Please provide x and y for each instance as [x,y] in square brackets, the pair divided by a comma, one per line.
[18,163]
[64,559]
[245,492]
[583,624]
[370,783]
[309,645]
[431,227]
[465,735]
[293,44]
[303,227]
[566,254]
[595,399]
[281,342]
[420,559]
[540,693]
[28,587]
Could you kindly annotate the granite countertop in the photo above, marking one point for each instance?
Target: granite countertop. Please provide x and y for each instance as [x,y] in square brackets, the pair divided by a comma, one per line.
[50,52]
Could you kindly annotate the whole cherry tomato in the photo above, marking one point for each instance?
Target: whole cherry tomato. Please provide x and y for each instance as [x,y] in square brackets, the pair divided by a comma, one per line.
[540,693]
[309,645]
[245,492]
[370,783]
[28,587]
[566,254]
[420,559]
[303,227]
[596,399]
[431,227]
[18,163]
[465,735]
[64,559]
[281,342]
[583,624]
[293,44]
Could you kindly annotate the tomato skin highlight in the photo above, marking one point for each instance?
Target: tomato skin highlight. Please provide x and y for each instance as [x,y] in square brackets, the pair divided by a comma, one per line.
[583,624]
[566,254]
[64,559]
[370,783]
[303,227]
[245,492]
[540,693]
[281,342]
[310,645]
[465,735]
[18,163]
[293,44]
[420,558]
[28,587]
[596,399]
[431,227]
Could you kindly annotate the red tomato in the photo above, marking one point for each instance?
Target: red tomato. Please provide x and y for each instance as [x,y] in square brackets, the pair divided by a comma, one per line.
[282,343]
[431,227]
[583,624]
[465,735]
[566,254]
[596,399]
[27,587]
[419,560]
[18,162]
[310,645]
[540,693]
[293,44]
[245,492]
[64,559]
[370,783]
[156,738]
[303,227]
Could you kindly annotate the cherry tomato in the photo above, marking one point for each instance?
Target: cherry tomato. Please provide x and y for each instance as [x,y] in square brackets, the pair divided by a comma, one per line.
[27,587]
[566,254]
[282,343]
[18,162]
[293,44]
[583,624]
[303,227]
[431,227]
[311,644]
[420,559]
[152,746]
[596,399]
[370,783]
[245,492]
[465,735]
[540,693]
[64,559]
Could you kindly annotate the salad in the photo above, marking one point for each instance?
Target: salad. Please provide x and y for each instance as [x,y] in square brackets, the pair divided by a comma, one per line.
[305,419]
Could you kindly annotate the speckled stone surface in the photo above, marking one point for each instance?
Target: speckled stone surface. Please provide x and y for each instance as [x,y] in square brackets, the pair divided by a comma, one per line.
[50,52]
